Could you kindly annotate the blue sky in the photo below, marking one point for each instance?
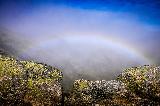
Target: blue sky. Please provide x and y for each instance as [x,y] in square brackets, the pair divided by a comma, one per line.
[146,10]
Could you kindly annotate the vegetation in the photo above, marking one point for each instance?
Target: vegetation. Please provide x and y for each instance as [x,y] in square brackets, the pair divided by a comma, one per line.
[144,81]
[28,82]
[136,86]
[37,84]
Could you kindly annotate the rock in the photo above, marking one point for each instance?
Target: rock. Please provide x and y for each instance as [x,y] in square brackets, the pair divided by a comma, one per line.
[36,84]
[43,84]
[12,85]
[143,81]
[137,86]
[29,83]
[91,93]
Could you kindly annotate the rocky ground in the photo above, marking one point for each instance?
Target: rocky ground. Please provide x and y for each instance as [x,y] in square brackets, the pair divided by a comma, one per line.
[36,84]
[29,83]
[138,86]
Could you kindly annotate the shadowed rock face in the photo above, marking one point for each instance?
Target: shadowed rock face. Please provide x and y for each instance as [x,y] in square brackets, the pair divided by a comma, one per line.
[28,83]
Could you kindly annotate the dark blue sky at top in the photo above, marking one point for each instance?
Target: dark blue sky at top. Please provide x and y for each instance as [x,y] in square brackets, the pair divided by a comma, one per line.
[146,10]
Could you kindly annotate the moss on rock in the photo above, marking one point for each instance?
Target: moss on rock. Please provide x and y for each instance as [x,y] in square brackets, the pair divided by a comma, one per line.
[88,93]
[136,86]
[144,81]
[43,84]
[28,82]
[12,87]
[37,84]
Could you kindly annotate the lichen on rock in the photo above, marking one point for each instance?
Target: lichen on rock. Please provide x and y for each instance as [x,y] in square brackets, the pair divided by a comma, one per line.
[37,84]
[28,82]
[43,83]
[136,86]
[143,81]
[12,87]
[88,93]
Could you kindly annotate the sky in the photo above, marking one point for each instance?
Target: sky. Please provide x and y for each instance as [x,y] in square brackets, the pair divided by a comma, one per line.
[90,39]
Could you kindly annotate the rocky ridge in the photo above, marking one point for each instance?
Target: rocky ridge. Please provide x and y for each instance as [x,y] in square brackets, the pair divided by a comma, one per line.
[29,83]
[37,84]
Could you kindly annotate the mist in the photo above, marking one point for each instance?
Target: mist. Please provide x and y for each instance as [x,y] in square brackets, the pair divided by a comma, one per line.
[83,43]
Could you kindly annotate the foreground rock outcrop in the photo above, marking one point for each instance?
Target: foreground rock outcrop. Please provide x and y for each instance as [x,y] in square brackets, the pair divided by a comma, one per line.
[36,84]
[137,86]
[88,93]
[144,82]
[29,83]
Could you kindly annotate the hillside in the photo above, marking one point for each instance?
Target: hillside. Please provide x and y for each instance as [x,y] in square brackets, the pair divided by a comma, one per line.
[37,84]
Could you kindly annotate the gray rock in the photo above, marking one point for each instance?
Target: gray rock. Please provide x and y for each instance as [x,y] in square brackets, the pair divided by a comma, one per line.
[137,86]
[29,83]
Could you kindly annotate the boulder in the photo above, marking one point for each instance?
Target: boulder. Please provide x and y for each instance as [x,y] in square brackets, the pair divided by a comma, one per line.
[144,82]
[29,83]
[136,86]
[12,84]
[92,93]
[37,84]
